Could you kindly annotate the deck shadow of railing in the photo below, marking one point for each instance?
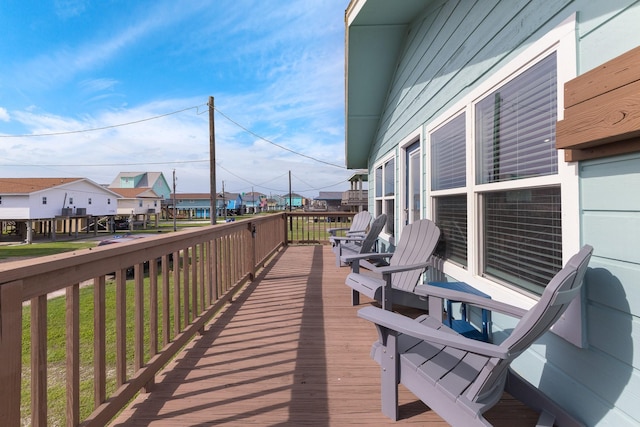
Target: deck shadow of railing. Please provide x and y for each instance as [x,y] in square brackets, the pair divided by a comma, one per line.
[191,275]
[237,370]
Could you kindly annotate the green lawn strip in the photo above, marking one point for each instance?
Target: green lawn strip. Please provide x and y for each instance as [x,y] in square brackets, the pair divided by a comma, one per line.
[56,347]
[42,249]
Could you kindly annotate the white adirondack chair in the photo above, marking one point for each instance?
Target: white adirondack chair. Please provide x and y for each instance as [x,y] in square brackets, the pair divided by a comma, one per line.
[350,245]
[461,378]
[359,225]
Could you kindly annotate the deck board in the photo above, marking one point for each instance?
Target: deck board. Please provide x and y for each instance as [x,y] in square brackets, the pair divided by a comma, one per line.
[288,351]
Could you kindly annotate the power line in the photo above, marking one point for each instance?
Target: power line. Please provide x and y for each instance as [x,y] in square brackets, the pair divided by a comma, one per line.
[115,164]
[70,132]
[273,143]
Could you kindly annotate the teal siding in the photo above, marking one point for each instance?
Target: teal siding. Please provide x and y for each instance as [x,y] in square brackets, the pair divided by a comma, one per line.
[607,29]
[611,223]
[450,49]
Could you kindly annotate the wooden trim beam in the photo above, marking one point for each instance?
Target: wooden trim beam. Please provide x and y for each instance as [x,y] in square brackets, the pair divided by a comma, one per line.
[602,110]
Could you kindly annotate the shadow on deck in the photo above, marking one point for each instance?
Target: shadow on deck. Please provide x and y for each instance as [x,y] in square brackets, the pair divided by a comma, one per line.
[289,351]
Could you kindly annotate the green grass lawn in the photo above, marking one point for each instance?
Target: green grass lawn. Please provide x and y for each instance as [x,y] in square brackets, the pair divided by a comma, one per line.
[56,350]
[42,249]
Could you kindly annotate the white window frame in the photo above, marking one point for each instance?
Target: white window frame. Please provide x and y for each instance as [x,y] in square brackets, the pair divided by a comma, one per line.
[562,40]
[417,136]
[457,191]
[385,235]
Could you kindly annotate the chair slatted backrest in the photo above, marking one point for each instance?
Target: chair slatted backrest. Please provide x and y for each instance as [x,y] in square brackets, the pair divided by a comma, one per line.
[416,245]
[555,299]
[360,222]
[372,235]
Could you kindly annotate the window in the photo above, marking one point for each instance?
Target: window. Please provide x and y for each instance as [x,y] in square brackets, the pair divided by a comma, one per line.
[89,200]
[70,200]
[140,203]
[0,200]
[516,127]
[522,236]
[44,200]
[448,183]
[385,178]
[515,139]
[108,201]
[505,137]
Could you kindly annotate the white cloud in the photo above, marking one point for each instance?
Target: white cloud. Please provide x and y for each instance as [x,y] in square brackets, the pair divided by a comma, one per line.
[179,142]
[4,115]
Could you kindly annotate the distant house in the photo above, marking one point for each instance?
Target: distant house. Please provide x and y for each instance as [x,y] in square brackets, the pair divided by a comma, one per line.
[275,203]
[328,201]
[137,201]
[151,180]
[254,202]
[229,204]
[295,200]
[41,205]
[356,199]
[192,205]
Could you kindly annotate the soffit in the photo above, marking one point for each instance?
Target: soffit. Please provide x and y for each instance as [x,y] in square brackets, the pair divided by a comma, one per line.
[375,33]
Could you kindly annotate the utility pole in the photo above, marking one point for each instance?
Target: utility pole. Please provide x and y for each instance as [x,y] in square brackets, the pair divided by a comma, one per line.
[212,162]
[290,196]
[175,228]
[224,203]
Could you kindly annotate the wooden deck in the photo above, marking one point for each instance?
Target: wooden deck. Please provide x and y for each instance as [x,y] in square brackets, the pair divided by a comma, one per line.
[289,351]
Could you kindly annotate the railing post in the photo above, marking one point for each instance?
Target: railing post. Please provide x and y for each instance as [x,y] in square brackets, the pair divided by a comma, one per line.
[72,302]
[39,361]
[10,351]
[252,254]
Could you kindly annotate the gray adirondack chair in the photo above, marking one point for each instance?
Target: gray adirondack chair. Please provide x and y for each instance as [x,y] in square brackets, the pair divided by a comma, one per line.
[401,273]
[461,378]
[354,245]
[359,225]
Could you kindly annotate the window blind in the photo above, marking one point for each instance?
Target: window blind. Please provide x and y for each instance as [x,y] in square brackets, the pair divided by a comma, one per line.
[523,236]
[448,151]
[451,218]
[516,126]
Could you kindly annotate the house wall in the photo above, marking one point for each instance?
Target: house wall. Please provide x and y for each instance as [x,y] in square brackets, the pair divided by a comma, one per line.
[125,206]
[451,49]
[59,197]
[14,207]
[161,188]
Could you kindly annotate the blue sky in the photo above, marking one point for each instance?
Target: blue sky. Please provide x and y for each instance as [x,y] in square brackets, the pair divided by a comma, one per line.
[275,68]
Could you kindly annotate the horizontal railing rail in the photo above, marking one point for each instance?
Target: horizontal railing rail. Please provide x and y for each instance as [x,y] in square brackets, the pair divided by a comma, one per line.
[179,281]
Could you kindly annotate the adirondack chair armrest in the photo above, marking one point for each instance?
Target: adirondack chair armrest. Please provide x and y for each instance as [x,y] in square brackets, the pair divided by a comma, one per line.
[356,238]
[334,230]
[470,299]
[389,269]
[408,326]
[370,255]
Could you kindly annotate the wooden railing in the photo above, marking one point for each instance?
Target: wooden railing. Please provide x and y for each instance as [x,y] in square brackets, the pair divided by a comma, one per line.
[176,283]
[312,227]
[180,281]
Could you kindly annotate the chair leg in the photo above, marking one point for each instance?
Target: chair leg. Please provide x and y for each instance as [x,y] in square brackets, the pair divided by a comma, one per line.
[389,377]
[355,297]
